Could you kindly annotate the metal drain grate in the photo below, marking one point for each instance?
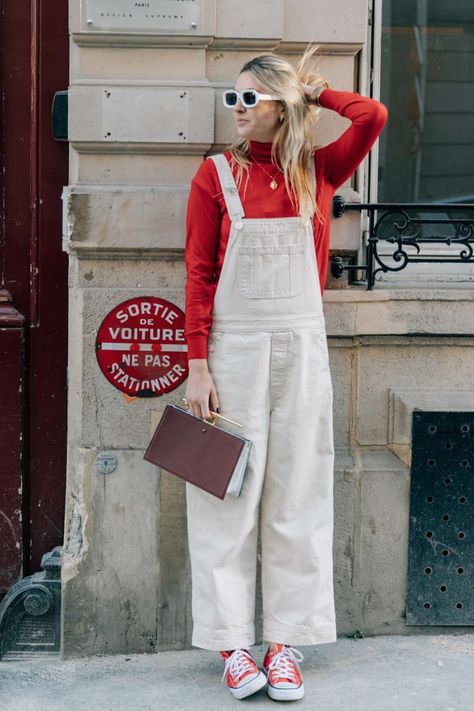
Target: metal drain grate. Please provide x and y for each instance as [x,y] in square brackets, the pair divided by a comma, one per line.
[440,588]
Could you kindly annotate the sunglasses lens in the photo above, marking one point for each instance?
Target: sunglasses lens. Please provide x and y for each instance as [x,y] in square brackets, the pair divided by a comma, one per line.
[230,98]
[249,98]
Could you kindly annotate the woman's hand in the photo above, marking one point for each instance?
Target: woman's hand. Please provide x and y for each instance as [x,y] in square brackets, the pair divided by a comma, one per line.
[200,389]
[308,92]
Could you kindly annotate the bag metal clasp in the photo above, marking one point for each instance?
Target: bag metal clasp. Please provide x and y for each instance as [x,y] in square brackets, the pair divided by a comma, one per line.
[214,416]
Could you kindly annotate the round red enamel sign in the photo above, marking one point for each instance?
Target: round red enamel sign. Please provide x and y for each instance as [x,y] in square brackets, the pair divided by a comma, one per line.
[141,348]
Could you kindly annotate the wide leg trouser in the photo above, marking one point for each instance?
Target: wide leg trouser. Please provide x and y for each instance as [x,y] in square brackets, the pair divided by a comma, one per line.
[278,385]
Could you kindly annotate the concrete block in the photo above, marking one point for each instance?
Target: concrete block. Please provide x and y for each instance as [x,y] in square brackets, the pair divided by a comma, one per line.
[370,541]
[113,113]
[224,65]
[346,497]
[409,364]
[110,573]
[129,220]
[340,361]
[408,311]
[259,21]
[145,274]
[336,22]
[136,169]
[174,615]
[416,315]
[75,362]
[382,544]
[404,401]
[128,64]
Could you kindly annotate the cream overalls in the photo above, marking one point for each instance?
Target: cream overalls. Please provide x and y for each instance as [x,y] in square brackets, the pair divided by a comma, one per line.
[268,357]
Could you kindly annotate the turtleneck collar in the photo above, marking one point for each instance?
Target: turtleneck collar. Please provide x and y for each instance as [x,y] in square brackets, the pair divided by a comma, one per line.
[261,151]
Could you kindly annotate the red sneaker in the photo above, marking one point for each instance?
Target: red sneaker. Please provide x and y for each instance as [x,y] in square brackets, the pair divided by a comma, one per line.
[285,681]
[242,674]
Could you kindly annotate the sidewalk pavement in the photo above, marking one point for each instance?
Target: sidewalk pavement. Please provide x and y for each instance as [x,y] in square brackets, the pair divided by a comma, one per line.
[385,673]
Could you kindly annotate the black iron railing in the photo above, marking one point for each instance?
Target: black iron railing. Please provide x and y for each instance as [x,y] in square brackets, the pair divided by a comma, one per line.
[409,227]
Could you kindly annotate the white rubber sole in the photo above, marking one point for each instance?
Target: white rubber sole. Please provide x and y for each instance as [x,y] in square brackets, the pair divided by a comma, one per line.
[285,694]
[251,687]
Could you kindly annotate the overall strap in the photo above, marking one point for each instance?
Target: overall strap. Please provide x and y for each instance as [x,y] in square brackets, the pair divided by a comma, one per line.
[229,188]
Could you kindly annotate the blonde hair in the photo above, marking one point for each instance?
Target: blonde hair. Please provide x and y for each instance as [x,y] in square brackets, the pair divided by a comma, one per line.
[293,142]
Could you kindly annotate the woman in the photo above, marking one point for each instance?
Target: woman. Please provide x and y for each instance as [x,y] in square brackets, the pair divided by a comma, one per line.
[256,258]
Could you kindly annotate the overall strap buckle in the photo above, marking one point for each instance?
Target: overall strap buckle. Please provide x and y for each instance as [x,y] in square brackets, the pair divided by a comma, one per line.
[229,188]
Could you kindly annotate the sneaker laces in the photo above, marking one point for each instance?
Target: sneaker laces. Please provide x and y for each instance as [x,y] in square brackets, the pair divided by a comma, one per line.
[285,661]
[238,663]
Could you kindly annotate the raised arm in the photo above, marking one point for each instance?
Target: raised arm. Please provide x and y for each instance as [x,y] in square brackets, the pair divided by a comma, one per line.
[368,116]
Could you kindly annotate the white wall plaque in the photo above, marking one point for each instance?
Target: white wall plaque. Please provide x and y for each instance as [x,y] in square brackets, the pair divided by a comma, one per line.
[150,16]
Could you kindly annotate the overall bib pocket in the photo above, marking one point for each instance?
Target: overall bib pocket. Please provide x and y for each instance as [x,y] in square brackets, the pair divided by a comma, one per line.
[270,270]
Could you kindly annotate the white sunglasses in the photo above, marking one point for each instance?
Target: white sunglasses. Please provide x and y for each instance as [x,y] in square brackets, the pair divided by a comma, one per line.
[248,98]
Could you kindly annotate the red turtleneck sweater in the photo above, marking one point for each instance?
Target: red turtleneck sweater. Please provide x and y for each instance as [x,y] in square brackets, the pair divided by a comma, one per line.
[208,224]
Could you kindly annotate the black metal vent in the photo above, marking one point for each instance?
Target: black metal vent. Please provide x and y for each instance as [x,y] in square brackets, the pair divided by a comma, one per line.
[441,534]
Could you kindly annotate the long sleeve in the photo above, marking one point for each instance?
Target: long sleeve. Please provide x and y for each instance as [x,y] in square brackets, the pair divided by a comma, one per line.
[208,224]
[368,116]
[203,220]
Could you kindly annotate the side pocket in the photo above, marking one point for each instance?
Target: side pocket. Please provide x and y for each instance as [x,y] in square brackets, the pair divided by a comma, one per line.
[215,350]
[213,340]
[320,341]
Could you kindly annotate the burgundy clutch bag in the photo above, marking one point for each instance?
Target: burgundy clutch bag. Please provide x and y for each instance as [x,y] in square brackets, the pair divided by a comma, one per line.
[199,452]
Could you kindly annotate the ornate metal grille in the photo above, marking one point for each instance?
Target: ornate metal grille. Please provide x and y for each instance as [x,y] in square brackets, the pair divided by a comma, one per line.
[400,225]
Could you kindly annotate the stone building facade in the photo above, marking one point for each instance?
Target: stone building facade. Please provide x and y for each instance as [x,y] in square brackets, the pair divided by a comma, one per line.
[144,110]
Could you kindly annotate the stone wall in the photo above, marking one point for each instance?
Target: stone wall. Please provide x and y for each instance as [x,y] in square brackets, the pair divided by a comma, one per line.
[144,110]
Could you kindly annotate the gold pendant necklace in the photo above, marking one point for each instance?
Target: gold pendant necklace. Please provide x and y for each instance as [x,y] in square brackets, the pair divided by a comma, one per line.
[273,182]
